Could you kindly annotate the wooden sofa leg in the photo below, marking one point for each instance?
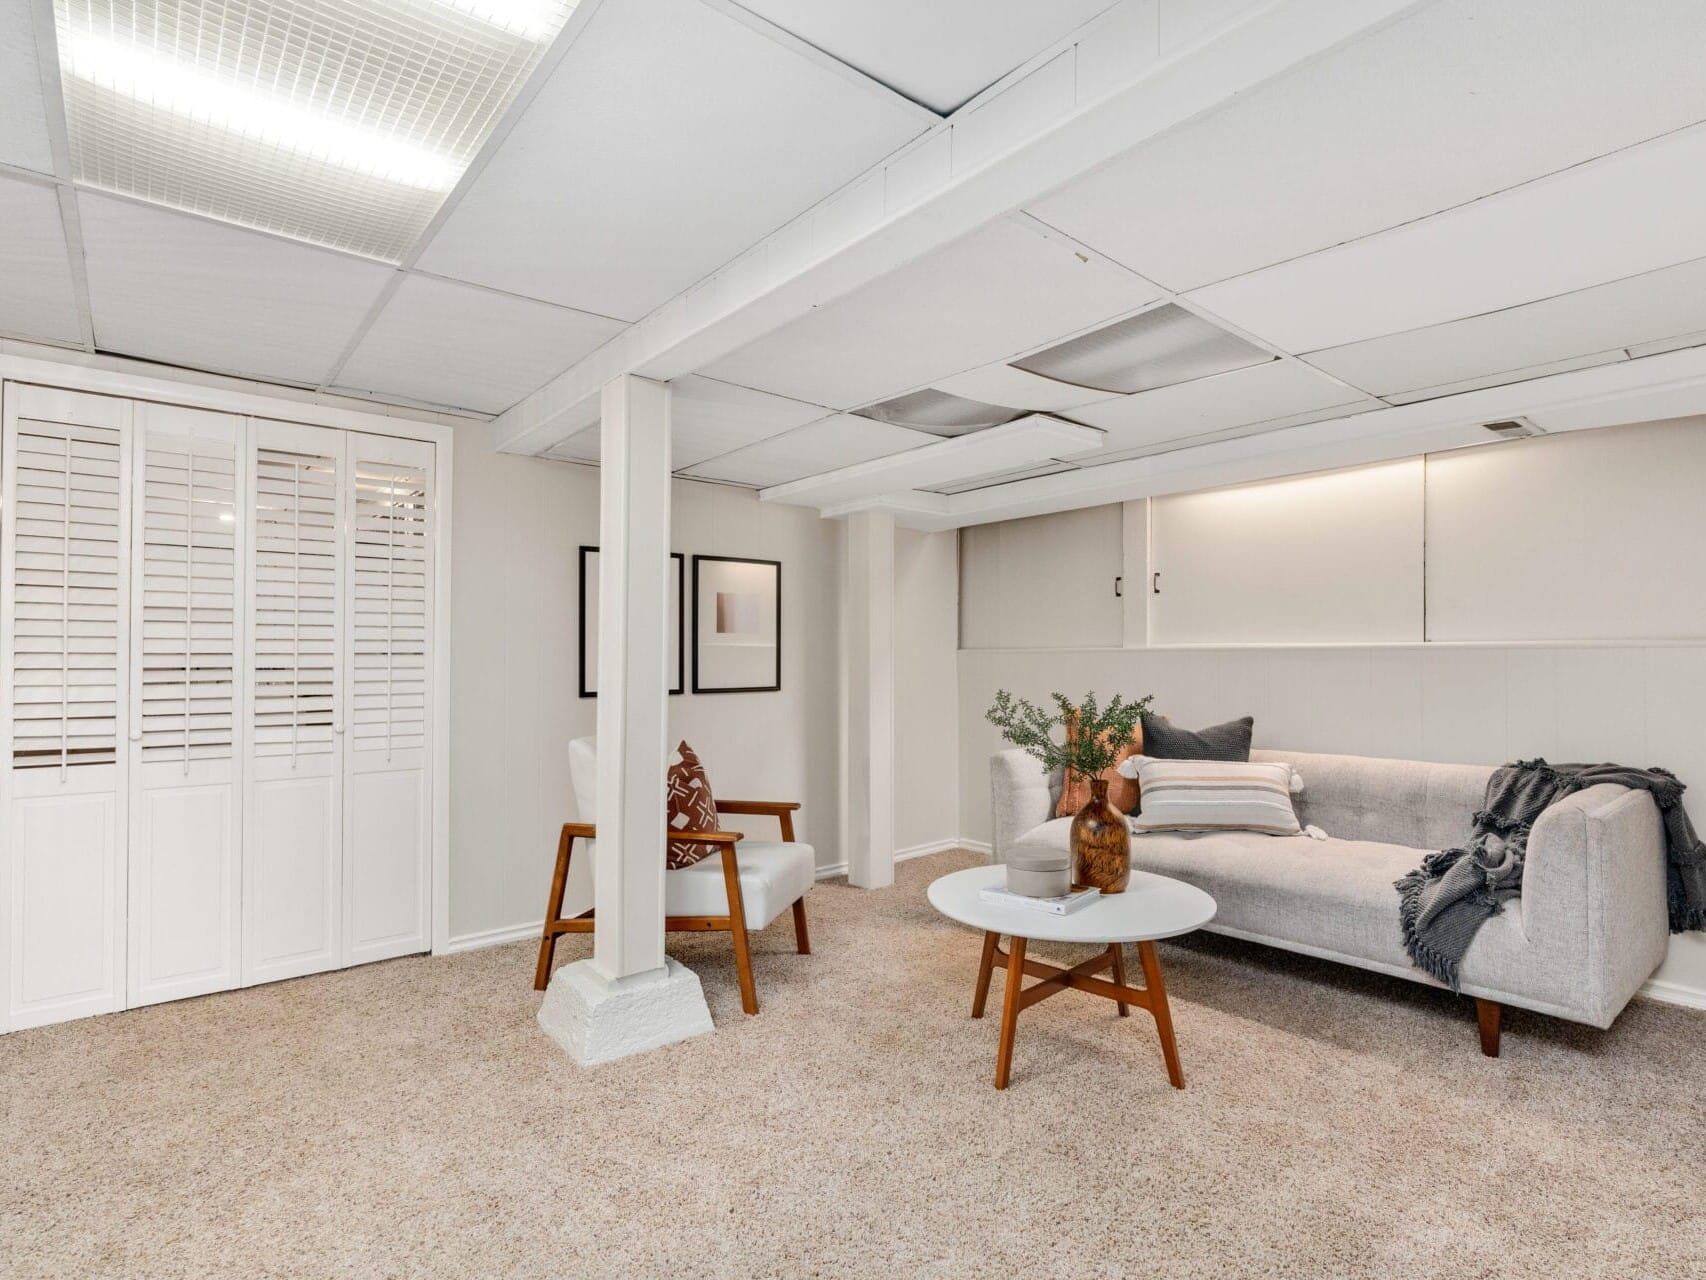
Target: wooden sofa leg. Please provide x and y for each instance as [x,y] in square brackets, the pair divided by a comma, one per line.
[802,939]
[1487,1015]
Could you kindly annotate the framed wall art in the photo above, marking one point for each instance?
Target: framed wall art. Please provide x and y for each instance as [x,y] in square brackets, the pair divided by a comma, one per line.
[737,625]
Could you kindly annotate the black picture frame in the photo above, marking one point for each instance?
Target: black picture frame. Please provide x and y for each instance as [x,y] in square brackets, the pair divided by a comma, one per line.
[699,686]
[585,689]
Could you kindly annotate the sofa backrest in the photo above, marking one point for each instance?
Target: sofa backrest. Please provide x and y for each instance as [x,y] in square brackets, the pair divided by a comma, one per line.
[1408,802]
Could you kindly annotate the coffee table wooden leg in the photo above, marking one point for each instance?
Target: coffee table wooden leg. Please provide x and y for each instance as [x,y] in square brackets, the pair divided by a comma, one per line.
[985,967]
[1010,1011]
[1118,953]
[1163,1016]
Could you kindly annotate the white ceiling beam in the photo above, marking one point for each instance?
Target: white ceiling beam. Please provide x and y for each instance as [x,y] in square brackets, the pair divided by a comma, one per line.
[1102,96]
[1032,439]
[1659,386]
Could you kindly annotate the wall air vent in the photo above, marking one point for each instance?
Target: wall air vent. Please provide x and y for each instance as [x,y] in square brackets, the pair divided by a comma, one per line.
[1513,429]
[1156,349]
[939,413]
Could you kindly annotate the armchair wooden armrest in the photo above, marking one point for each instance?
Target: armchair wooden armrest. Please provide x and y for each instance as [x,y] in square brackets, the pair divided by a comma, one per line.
[706,837]
[781,810]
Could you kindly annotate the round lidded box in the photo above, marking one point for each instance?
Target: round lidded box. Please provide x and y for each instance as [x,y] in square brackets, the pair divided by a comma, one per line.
[1038,871]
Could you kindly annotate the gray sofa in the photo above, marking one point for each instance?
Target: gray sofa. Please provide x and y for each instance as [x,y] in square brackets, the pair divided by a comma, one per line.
[1589,929]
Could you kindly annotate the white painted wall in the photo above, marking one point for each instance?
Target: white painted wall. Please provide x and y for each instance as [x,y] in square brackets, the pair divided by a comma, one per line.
[1041,581]
[514,707]
[926,682]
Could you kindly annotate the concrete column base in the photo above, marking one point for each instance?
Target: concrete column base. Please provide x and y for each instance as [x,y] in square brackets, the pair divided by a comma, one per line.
[598,1019]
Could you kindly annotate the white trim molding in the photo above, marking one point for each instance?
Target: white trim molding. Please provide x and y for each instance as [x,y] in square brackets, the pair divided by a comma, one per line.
[1674,993]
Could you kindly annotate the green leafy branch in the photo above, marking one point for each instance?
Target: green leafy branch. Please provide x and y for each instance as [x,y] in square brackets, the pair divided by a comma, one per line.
[1092,734]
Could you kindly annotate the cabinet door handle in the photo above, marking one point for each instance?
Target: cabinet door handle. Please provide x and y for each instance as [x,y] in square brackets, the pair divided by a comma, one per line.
[1155,583]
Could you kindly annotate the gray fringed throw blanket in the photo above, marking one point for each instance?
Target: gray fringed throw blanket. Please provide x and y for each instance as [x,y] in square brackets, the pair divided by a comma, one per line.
[1443,902]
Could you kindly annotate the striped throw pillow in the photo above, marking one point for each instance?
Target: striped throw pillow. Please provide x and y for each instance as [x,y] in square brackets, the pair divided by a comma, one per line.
[1213,795]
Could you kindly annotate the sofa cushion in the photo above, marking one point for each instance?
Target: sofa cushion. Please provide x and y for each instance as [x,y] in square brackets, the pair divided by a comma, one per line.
[1166,741]
[773,875]
[1330,897]
[691,808]
[1406,802]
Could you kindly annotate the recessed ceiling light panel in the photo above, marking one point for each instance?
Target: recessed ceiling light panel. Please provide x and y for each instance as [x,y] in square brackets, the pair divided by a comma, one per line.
[940,413]
[1155,349]
[339,122]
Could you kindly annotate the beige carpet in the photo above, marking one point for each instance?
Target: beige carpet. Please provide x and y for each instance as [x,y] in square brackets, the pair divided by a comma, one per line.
[410,1119]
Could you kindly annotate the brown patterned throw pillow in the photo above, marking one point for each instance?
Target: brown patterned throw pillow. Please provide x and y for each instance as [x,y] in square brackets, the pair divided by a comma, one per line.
[691,808]
[1122,792]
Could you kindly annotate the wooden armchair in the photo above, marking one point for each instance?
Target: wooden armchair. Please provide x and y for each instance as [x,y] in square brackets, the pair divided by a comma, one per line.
[746,885]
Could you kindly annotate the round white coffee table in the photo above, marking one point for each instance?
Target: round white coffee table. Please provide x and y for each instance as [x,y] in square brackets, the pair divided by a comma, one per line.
[1151,907]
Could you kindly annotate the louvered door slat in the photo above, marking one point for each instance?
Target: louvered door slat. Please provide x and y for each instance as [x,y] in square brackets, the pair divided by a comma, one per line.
[64,545]
[185,626]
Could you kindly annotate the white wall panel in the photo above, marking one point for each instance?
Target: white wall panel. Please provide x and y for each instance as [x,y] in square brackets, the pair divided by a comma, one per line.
[1590,535]
[1047,581]
[1323,558]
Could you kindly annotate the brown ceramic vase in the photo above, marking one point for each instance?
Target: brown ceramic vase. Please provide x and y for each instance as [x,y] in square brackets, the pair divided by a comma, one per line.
[1101,843]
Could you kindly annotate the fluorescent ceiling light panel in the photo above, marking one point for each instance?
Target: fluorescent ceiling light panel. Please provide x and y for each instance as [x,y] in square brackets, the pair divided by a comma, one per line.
[939,413]
[1155,349]
[338,122]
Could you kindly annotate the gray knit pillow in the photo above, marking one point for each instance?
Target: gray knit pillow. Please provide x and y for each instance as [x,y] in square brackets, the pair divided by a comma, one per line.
[1229,741]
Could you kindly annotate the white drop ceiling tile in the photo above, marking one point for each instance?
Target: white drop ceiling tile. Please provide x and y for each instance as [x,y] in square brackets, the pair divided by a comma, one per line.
[1629,213]
[1175,444]
[1625,313]
[1262,393]
[999,292]
[1454,101]
[180,289]
[939,54]
[454,344]
[38,298]
[1508,376]
[669,138]
[1018,389]
[838,441]
[23,121]
[708,419]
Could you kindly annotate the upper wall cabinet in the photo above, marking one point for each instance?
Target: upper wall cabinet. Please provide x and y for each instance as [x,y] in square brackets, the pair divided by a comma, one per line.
[216,642]
[1334,558]
[1588,535]
[1044,582]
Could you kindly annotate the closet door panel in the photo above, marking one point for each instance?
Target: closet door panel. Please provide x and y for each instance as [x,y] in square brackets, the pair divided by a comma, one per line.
[387,831]
[293,847]
[64,593]
[186,627]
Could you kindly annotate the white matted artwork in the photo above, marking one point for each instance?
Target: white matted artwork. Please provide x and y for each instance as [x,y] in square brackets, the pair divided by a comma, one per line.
[737,625]
[589,621]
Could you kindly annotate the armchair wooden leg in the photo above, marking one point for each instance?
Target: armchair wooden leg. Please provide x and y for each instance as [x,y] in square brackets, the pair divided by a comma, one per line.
[553,910]
[802,939]
[737,929]
[1487,1013]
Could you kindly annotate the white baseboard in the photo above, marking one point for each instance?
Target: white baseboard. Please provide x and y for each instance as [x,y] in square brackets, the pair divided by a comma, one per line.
[491,938]
[914,851]
[1674,993]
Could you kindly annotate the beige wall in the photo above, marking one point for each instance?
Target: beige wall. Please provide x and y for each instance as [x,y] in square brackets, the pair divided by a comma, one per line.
[926,680]
[514,707]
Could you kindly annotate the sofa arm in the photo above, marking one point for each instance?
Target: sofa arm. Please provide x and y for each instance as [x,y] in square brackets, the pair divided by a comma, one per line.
[1593,893]
[1023,795]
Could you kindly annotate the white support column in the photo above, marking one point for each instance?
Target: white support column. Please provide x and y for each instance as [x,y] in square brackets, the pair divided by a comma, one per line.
[630,997]
[870,699]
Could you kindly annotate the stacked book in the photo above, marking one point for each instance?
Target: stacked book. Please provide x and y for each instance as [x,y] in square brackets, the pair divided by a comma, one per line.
[1064,905]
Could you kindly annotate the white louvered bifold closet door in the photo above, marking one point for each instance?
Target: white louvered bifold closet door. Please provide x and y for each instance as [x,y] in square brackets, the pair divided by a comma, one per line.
[64,605]
[293,890]
[186,641]
[388,799]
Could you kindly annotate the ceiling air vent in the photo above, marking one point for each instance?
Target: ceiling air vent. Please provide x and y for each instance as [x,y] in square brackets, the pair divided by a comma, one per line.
[1155,349]
[940,413]
[1512,429]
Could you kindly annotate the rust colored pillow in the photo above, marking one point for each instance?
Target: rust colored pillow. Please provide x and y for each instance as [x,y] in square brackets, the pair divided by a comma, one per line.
[691,808]
[1122,792]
